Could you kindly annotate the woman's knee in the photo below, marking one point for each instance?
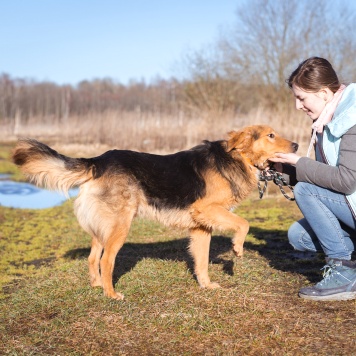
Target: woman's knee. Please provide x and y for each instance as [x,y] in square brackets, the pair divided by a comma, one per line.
[301,188]
[294,236]
[301,236]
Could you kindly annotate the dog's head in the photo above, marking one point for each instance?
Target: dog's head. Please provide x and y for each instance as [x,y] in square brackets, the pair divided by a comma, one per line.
[257,144]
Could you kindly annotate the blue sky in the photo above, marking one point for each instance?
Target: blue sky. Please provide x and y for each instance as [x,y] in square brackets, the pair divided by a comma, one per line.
[66,41]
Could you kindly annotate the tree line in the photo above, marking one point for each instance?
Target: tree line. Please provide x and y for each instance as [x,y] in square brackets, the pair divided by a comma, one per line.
[29,98]
[244,69]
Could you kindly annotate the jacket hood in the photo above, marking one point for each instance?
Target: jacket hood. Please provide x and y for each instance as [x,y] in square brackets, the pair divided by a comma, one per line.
[345,114]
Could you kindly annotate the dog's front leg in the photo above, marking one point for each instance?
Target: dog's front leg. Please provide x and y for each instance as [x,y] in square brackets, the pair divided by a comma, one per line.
[223,219]
[240,236]
[199,248]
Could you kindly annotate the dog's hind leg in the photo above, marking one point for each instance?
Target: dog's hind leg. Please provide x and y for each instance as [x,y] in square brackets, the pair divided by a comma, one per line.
[112,246]
[94,260]
[199,248]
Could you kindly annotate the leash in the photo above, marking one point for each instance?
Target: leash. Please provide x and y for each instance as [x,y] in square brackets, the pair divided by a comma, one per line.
[277,178]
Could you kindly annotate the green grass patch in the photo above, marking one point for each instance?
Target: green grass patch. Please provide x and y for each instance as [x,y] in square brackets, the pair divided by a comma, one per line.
[48,306]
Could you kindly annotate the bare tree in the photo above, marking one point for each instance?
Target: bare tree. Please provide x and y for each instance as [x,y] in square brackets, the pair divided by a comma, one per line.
[271,37]
[268,40]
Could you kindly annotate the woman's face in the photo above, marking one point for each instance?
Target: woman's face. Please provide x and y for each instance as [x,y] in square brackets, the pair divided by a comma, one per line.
[311,103]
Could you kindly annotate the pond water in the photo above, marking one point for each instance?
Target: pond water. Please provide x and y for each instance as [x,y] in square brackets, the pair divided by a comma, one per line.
[28,196]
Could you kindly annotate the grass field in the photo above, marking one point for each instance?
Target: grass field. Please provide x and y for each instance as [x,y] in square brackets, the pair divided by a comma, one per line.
[48,307]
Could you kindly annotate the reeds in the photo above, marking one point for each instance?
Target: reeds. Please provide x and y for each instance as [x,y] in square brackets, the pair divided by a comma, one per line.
[150,132]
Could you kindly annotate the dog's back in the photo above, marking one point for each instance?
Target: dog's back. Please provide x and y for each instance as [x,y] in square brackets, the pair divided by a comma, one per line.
[172,181]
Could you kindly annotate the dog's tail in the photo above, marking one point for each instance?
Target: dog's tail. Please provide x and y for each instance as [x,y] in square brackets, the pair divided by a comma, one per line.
[47,168]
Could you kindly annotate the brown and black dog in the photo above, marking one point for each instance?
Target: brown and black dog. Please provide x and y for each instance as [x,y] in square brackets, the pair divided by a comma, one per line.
[193,189]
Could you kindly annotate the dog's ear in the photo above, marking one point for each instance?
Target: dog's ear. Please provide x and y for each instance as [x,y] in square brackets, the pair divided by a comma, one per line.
[239,140]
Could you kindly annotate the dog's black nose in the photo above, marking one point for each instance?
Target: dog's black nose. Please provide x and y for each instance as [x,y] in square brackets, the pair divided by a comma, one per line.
[295,146]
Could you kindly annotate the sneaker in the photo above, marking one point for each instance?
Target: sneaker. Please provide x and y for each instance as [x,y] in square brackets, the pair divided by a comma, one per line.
[339,282]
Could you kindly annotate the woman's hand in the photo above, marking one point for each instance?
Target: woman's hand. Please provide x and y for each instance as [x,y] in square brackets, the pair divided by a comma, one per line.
[290,158]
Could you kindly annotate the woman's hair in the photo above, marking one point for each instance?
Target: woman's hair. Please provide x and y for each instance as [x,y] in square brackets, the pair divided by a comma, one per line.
[313,74]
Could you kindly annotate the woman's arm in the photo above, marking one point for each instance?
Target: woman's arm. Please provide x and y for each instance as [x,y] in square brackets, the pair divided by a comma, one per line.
[341,178]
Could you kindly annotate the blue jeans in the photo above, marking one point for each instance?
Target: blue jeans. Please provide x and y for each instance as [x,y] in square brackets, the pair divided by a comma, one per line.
[328,224]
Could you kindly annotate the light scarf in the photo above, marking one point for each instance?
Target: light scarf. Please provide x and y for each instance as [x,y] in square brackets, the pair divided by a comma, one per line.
[325,116]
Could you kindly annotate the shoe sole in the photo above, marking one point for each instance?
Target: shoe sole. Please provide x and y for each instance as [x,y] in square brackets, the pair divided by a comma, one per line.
[338,296]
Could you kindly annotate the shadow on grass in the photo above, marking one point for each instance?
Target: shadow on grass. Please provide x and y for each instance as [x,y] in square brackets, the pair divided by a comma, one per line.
[281,255]
[275,248]
[174,250]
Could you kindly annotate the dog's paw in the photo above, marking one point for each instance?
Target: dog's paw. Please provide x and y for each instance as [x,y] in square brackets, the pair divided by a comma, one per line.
[205,283]
[96,283]
[238,250]
[213,285]
[115,295]
[118,296]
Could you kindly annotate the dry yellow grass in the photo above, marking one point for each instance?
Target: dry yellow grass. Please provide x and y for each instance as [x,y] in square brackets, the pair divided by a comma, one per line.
[147,132]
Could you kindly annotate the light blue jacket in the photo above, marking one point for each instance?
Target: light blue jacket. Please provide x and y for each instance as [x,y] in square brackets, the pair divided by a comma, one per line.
[343,120]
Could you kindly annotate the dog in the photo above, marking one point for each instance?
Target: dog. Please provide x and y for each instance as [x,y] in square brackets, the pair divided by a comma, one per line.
[193,189]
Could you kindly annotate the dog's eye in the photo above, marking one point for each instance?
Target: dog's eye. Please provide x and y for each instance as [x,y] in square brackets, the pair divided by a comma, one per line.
[271,135]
